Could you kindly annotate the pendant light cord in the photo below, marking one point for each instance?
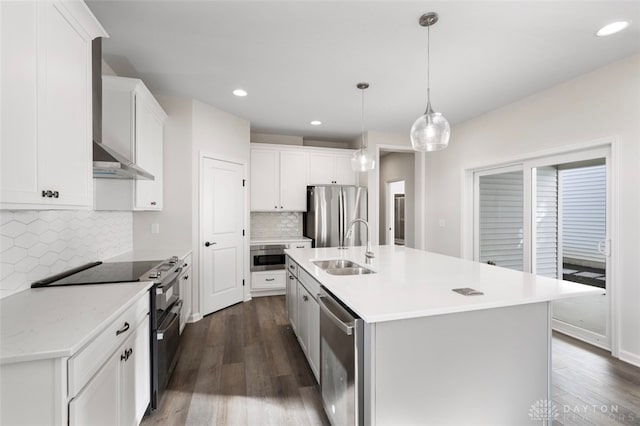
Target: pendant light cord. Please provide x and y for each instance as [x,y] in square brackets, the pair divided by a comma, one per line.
[428,69]
[362,119]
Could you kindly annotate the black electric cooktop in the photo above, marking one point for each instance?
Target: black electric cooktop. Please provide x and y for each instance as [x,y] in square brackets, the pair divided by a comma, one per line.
[100,273]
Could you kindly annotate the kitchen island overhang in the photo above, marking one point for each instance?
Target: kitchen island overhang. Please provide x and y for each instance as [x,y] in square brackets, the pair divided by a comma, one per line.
[434,356]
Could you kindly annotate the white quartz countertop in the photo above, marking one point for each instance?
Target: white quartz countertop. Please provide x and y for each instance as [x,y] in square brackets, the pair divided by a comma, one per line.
[411,283]
[56,322]
[151,254]
[267,240]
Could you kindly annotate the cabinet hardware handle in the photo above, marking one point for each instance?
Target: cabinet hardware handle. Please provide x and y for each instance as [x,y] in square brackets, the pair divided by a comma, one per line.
[123,357]
[291,267]
[44,193]
[269,279]
[153,203]
[281,207]
[275,207]
[305,298]
[290,277]
[186,277]
[185,265]
[124,328]
[299,246]
[207,244]
[56,194]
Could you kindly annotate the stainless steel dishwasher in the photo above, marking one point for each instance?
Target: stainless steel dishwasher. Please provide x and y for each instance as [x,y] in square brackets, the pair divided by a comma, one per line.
[341,361]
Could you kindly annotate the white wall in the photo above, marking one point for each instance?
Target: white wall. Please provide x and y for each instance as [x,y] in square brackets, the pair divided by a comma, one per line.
[600,104]
[394,167]
[175,219]
[226,137]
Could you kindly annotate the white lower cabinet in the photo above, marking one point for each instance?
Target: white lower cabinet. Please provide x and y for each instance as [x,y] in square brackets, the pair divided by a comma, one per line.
[98,402]
[119,392]
[303,312]
[292,300]
[106,382]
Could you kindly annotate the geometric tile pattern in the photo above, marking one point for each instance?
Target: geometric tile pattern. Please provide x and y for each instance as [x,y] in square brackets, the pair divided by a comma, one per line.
[286,224]
[37,243]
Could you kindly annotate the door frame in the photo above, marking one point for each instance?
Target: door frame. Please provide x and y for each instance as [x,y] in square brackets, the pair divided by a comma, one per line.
[539,159]
[420,194]
[390,226]
[198,241]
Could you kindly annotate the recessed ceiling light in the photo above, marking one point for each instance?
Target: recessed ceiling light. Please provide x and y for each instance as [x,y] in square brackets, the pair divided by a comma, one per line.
[612,28]
[316,123]
[240,92]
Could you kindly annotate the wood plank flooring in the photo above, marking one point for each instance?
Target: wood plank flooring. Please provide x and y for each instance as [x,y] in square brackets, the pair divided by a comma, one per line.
[243,366]
[590,387]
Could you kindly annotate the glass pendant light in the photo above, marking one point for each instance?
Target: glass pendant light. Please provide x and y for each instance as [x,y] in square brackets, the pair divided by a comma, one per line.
[362,160]
[431,131]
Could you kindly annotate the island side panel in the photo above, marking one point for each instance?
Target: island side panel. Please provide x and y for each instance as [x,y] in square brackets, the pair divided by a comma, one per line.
[478,367]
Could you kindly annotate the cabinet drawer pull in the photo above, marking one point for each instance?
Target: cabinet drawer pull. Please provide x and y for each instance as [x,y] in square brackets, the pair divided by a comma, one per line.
[292,267]
[185,265]
[305,298]
[56,194]
[153,203]
[270,279]
[186,277]
[290,277]
[124,328]
[299,246]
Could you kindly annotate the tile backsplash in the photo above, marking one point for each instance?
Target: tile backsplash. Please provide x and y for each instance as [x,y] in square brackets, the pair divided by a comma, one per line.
[266,225]
[36,244]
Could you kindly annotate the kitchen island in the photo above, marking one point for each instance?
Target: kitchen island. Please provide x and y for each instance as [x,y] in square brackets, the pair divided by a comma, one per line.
[431,355]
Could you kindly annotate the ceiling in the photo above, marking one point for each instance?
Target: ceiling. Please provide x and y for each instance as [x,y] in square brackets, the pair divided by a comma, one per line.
[300,60]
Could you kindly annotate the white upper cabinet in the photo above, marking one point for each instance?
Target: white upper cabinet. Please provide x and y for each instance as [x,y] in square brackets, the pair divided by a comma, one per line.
[330,169]
[278,180]
[265,185]
[45,151]
[132,124]
[293,181]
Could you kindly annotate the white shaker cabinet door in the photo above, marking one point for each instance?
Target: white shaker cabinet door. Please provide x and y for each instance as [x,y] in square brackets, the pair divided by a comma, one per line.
[135,375]
[265,180]
[344,174]
[19,146]
[293,181]
[321,169]
[97,404]
[149,145]
[64,108]
[314,337]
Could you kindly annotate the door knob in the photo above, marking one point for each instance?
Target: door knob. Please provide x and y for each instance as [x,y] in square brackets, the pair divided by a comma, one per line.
[207,244]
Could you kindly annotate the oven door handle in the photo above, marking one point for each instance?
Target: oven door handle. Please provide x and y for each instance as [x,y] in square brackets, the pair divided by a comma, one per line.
[170,282]
[344,327]
[176,311]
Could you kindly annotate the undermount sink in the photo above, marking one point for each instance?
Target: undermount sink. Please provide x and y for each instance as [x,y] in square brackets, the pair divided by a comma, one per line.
[349,271]
[335,264]
[342,267]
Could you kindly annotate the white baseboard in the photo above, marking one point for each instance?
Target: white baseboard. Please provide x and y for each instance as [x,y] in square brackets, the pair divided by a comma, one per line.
[195,317]
[629,357]
[581,334]
[257,293]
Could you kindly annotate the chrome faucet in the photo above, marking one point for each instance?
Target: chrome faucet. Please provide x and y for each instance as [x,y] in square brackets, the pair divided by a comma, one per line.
[369,253]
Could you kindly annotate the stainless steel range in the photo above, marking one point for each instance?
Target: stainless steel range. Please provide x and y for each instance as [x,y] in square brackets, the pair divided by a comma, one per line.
[165,304]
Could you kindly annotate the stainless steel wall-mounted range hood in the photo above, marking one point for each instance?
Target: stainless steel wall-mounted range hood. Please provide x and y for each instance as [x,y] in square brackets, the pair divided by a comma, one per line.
[107,163]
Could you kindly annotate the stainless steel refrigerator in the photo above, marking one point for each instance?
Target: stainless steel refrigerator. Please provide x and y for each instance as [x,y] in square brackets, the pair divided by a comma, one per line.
[330,208]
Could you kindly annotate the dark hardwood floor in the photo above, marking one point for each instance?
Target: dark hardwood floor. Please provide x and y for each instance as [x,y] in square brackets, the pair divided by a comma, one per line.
[590,387]
[243,366]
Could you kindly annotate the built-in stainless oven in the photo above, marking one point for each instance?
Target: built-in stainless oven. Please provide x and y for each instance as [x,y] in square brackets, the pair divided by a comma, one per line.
[267,257]
[341,361]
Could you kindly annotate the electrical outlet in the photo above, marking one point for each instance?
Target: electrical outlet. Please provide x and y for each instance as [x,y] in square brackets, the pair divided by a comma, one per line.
[155,228]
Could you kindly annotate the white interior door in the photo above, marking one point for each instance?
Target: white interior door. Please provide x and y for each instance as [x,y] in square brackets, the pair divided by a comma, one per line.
[222,204]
